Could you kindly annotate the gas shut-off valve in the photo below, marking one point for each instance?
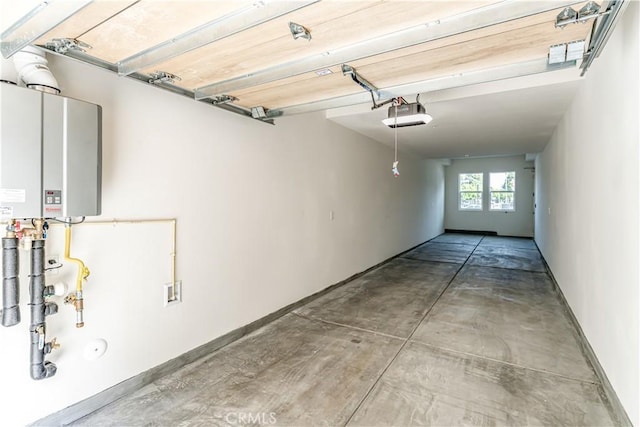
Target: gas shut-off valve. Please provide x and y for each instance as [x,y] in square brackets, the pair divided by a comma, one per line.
[76,298]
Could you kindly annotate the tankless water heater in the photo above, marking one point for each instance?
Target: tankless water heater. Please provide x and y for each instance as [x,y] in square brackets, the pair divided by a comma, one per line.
[50,155]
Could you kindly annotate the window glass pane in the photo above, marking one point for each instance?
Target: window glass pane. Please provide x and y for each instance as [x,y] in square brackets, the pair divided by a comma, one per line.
[471,201]
[502,201]
[502,181]
[470,182]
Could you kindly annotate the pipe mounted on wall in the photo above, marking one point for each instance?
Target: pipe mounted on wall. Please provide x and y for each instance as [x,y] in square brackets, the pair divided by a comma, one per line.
[76,299]
[40,369]
[32,68]
[10,281]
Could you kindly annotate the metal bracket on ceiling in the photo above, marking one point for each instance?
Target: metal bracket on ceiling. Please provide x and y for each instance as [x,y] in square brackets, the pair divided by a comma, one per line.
[366,85]
[570,16]
[223,99]
[238,109]
[65,45]
[88,59]
[258,112]
[264,114]
[299,32]
[567,16]
[163,77]
[361,81]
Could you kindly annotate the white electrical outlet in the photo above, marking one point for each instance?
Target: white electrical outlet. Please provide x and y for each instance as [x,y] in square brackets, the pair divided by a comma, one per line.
[167,299]
[52,265]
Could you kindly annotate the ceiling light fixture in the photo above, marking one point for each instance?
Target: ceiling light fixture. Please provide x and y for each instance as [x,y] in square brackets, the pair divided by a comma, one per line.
[407,114]
[402,114]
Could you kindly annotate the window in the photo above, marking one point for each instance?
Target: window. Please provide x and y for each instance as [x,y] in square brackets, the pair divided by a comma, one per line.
[502,191]
[470,191]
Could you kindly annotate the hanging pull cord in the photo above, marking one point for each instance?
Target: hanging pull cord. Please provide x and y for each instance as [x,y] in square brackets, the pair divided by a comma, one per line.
[394,169]
[395,129]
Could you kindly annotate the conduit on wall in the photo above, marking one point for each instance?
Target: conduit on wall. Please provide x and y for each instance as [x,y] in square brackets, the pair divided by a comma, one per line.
[173,254]
[172,221]
[39,307]
[83,272]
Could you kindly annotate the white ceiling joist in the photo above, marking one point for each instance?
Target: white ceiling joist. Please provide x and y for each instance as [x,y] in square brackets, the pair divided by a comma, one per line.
[472,20]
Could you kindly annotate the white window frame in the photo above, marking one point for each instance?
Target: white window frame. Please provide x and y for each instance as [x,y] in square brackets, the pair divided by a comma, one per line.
[481,192]
[491,192]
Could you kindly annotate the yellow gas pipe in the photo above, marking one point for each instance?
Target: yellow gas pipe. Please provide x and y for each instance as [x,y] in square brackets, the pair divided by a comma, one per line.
[83,272]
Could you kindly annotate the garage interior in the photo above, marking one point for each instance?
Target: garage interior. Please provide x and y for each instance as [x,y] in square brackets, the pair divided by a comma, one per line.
[464,329]
[269,252]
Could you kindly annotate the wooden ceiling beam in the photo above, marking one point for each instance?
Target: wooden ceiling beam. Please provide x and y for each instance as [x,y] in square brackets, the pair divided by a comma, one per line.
[435,84]
[223,27]
[472,20]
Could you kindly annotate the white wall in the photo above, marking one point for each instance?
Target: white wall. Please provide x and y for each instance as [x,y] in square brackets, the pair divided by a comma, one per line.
[587,209]
[434,202]
[253,204]
[518,223]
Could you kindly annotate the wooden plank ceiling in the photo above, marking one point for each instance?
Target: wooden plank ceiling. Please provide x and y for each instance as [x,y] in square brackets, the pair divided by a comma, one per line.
[119,29]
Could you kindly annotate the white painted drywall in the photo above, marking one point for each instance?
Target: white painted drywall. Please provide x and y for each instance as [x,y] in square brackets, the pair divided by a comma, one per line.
[253,203]
[587,208]
[434,202]
[518,223]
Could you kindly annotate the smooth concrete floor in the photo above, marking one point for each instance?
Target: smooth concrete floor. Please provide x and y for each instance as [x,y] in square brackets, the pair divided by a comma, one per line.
[463,330]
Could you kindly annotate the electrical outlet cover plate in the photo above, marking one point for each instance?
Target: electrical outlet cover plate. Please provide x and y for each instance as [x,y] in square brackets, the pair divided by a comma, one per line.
[166,294]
